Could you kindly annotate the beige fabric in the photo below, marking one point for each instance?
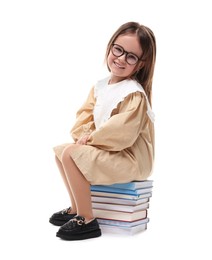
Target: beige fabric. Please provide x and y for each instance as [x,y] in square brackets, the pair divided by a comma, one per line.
[122,150]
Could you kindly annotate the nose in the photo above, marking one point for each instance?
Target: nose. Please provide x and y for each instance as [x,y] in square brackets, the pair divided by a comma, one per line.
[123,57]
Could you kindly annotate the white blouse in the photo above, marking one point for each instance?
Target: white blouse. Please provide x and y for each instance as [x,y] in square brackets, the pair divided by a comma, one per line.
[109,95]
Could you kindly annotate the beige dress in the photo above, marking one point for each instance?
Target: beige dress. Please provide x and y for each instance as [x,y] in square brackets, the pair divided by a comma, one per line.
[121,146]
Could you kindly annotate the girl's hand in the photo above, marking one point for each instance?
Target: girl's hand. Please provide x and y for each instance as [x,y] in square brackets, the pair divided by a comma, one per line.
[83,140]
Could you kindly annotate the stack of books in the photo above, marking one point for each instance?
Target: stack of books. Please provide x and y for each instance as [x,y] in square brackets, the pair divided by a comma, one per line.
[122,208]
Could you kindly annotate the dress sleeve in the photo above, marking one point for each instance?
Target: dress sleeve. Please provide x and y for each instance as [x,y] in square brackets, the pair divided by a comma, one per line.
[122,129]
[84,118]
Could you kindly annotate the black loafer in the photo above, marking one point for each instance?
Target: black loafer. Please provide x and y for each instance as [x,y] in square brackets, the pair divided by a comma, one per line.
[61,217]
[78,229]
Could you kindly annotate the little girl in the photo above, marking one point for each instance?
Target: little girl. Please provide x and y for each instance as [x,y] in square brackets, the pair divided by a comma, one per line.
[114,132]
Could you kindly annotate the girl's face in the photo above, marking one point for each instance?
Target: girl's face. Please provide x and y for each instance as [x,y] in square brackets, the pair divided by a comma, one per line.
[123,59]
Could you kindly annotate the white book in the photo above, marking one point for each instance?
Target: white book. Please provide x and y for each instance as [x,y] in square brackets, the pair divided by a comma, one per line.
[124,208]
[118,223]
[120,201]
[120,215]
[123,230]
[118,195]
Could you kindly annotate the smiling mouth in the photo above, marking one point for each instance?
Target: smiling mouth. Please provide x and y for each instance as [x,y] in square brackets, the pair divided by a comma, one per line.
[119,66]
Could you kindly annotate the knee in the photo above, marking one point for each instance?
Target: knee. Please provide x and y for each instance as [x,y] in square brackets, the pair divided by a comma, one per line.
[66,155]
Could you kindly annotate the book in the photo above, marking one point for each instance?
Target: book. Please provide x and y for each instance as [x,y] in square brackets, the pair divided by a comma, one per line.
[122,223]
[131,185]
[119,195]
[116,207]
[123,230]
[119,215]
[121,201]
[119,190]
[122,208]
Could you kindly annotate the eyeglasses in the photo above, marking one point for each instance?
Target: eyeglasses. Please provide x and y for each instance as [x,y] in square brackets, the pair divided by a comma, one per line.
[130,57]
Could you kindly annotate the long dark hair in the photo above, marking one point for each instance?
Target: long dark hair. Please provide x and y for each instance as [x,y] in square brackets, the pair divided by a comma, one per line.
[146,37]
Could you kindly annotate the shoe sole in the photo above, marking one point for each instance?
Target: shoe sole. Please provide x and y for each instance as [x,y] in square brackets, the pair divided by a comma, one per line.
[92,234]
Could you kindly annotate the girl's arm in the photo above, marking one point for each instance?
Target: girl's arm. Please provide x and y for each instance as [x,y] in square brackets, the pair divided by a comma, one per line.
[122,129]
[84,124]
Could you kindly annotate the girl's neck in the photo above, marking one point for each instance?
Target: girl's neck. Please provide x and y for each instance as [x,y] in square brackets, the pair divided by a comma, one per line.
[115,80]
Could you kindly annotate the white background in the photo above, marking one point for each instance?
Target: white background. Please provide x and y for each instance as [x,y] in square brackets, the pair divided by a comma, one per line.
[51,53]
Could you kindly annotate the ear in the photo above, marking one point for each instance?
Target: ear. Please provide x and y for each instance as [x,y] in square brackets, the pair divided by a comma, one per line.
[141,65]
[138,67]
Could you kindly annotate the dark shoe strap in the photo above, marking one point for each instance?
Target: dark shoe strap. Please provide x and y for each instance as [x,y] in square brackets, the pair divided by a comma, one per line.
[75,221]
[65,211]
[79,219]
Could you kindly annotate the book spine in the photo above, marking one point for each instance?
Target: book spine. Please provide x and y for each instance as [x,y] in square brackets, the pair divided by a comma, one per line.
[119,215]
[120,191]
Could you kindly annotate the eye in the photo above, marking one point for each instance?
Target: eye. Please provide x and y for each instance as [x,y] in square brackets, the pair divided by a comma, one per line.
[117,50]
[132,58]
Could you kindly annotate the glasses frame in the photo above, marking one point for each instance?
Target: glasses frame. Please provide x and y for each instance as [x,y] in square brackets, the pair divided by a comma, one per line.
[124,52]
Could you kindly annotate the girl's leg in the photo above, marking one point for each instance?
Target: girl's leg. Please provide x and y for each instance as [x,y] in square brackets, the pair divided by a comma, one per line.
[79,185]
[73,204]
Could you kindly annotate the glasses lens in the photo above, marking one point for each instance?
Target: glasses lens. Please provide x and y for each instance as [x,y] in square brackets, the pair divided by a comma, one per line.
[131,59]
[117,50]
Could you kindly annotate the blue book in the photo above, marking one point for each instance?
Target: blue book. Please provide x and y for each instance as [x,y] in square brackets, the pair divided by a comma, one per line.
[123,186]
[133,185]
[109,189]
